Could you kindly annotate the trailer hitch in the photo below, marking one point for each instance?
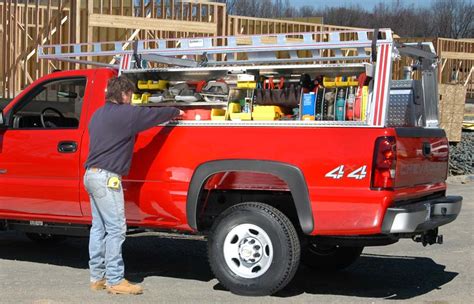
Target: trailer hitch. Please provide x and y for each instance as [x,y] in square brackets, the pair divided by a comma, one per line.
[429,237]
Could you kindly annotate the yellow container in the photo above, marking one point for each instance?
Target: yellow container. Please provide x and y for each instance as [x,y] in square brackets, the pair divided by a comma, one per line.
[234,112]
[365,98]
[142,85]
[340,82]
[308,117]
[352,81]
[145,97]
[329,82]
[136,98]
[234,107]
[246,84]
[140,98]
[240,116]
[217,114]
[152,84]
[267,113]
[157,84]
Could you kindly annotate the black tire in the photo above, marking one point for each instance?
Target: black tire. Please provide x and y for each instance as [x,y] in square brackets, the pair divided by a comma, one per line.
[285,249]
[329,258]
[45,238]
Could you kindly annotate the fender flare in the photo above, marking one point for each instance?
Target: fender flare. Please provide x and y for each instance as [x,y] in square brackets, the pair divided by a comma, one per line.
[292,175]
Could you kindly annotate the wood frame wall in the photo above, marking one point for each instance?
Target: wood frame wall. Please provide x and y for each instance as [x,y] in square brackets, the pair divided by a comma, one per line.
[457,63]
[24,26]
[28,23]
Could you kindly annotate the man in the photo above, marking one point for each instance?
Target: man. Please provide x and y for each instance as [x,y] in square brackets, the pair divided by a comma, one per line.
[113,129]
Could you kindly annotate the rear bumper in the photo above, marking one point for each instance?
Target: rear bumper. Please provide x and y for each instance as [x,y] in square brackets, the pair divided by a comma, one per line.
[421,216]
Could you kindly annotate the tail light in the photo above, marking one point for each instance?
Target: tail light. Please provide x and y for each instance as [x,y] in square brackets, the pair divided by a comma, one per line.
[385,162]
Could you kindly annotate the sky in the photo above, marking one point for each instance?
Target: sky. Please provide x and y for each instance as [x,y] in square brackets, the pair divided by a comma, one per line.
[369,4]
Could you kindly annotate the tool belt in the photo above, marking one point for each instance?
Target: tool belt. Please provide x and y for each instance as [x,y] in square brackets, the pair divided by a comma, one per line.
[286,97]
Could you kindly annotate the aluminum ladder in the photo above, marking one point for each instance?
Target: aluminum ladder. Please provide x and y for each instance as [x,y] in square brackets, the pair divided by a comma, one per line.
[339,46]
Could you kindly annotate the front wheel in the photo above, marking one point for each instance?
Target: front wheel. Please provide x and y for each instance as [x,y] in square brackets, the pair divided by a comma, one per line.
[329,258]
[253,249]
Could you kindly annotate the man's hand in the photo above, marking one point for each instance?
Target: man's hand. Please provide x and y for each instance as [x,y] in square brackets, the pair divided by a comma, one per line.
[180,115]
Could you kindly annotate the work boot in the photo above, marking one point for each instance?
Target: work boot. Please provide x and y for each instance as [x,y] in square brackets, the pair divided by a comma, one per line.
[124,287]
[98,285]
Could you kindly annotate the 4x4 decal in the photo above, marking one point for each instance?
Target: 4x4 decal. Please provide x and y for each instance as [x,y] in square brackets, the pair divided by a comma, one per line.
[338,173]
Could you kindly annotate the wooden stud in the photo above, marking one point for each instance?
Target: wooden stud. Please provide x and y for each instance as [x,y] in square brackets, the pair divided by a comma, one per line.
[77,23]
[199,12]
[9,52]
[38,64]
[14,43]
[59,26]
[97,20]
[172,9]
[4,53]
[25,42]
[90,28]
[190,11]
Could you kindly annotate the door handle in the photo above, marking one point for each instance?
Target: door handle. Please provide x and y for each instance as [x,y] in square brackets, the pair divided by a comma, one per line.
[426,149]
[67,147]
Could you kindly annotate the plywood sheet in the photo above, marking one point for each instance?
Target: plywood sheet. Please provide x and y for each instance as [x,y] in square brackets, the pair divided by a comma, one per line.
[452,99]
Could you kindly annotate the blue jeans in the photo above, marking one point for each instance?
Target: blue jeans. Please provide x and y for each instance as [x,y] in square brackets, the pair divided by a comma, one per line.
[108,227]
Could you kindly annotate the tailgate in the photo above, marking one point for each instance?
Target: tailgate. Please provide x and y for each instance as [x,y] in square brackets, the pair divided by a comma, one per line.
[422,156]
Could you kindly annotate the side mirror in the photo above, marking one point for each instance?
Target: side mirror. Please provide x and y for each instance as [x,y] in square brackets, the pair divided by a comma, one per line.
[3,122]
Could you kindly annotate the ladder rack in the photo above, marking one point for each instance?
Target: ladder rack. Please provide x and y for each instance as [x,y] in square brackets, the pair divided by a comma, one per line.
[312,47]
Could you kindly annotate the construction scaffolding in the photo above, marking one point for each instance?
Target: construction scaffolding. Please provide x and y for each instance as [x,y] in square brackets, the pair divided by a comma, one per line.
[26,24]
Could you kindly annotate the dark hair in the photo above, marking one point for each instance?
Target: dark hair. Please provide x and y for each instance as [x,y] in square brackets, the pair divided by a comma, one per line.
[116,86]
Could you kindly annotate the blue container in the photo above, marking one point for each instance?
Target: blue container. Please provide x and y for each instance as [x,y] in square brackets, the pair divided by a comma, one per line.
[309,104]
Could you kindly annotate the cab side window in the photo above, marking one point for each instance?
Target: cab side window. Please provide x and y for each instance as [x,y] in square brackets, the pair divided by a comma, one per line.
[53,105]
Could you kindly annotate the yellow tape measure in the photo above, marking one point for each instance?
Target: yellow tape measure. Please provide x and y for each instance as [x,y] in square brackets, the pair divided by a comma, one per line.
[113,183]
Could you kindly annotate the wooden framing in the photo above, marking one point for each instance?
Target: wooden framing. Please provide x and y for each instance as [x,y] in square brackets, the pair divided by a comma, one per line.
[125,22]
[457,57]
[24,26]
[28,23]
[456,61]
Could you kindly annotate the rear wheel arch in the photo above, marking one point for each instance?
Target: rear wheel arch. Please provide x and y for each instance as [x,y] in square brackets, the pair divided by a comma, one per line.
[290,174]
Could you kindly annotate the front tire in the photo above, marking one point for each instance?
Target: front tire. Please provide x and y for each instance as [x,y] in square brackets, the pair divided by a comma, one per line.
[329,258]
[253,249]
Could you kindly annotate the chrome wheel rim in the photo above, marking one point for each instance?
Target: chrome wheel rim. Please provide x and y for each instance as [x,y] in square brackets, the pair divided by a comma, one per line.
[248,251]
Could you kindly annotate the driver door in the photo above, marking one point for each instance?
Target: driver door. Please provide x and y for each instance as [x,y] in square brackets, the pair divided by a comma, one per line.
[39,152]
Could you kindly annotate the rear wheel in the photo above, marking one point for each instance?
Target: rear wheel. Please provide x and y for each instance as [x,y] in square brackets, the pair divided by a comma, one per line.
[253,249]
[329,257]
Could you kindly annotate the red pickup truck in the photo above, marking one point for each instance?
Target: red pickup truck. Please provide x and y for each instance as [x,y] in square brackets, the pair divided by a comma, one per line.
[264,193]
